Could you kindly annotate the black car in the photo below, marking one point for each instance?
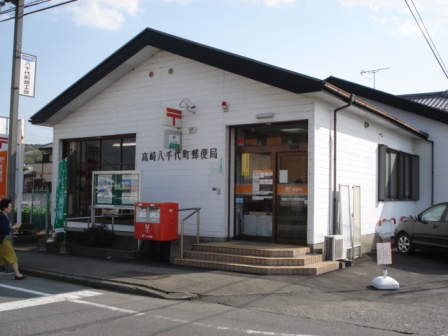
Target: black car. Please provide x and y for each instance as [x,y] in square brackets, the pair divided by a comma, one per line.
[428,231]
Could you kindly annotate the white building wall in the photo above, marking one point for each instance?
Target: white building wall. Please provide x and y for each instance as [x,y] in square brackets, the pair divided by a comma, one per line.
[357,165]
[320,198]
[134,105]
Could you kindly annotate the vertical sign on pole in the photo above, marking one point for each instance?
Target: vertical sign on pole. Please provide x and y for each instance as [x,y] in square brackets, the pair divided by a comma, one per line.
[3,164]
[27,75]
[61,198]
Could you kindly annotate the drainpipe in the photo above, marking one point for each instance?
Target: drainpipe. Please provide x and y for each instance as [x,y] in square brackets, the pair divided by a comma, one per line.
[432,171]
[335,219]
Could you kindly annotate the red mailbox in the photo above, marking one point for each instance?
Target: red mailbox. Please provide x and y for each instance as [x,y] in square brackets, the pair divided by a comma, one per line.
[156,221]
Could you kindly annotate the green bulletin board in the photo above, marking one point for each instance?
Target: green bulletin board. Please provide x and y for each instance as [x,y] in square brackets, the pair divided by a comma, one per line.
[120,189]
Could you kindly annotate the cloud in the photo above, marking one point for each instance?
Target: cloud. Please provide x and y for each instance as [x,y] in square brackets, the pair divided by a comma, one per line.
[274,3]
[410,28]
[269,3]
[105,14]
[397,14]
[112,14]
[374,5]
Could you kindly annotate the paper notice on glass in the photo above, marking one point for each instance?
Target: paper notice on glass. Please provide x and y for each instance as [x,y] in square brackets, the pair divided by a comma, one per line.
[283,176]
[255,183]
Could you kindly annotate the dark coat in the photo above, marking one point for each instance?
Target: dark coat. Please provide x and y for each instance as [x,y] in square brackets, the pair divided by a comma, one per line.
[5,226]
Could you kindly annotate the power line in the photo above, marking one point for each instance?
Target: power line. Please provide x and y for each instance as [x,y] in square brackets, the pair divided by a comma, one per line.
[427,37]
[34,3]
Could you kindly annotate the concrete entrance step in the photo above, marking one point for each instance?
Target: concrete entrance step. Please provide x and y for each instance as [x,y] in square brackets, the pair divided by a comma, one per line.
[268,250]
[257,258]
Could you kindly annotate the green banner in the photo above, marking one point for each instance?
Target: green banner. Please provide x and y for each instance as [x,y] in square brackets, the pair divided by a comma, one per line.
[61,198]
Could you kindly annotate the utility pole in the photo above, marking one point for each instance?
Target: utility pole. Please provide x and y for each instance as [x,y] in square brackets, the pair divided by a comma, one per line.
[15,85]
[374,72]
[14,107]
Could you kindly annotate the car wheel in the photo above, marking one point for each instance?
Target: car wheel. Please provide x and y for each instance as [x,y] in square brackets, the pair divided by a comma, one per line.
[404,245]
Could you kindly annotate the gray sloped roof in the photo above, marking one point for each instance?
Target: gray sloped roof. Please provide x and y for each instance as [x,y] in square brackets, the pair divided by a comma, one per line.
[438,100]
[400,102]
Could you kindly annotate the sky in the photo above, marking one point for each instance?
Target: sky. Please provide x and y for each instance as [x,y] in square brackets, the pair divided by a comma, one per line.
[349,39]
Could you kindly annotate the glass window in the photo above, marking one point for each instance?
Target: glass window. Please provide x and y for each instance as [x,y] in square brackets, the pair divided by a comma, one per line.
[274,135]
[90,152]
[87,155]
[393,175]
[110,151]
[398,175]
[128,154]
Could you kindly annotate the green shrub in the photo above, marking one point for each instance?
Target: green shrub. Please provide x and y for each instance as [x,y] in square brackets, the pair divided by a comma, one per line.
[34,223]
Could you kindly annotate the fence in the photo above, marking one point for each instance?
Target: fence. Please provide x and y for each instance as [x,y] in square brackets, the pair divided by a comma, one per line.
[36,211]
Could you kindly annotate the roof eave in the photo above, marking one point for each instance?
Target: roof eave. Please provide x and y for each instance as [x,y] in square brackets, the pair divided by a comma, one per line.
[332,89]
[77,94]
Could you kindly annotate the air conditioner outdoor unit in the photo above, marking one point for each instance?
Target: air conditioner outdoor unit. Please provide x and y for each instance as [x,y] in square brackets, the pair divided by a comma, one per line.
[334,247]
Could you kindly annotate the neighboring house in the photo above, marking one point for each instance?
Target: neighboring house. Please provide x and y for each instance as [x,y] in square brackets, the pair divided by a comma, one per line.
[267,154]
[438,100]
[29,176]
[40,174]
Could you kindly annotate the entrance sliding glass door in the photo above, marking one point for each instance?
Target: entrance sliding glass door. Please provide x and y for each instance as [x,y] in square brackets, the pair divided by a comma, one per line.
[271,176]
[254,195]
[291,197]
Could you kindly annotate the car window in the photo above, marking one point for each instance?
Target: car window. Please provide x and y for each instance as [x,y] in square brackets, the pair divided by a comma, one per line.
[434,214]
[446,217]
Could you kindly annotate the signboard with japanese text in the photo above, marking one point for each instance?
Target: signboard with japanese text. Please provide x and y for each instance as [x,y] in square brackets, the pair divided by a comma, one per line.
[116,189]
[180,155]
[245,164]
[27,75]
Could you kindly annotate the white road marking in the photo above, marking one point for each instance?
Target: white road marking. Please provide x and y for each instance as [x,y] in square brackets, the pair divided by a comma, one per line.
[244,331]
[25,290]
[127,311]
[46,300]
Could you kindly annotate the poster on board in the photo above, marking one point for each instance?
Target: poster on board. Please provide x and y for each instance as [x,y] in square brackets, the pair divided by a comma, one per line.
[103,186]
[116,188]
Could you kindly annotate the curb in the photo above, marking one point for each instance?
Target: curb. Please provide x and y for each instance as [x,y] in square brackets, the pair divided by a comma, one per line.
[117,286]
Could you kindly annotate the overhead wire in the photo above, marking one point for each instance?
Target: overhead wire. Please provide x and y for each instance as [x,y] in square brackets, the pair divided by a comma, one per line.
[431,45]
[429,36]
[34,3]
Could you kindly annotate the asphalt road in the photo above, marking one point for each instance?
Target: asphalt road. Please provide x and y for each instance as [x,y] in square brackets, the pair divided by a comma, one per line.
[419,307]
[44,307]
[337,303]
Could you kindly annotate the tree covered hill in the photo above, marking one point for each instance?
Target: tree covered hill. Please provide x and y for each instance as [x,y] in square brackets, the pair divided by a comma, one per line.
[32,154]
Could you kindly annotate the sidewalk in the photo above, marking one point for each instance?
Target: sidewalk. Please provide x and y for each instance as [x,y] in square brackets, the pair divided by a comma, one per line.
[168,281]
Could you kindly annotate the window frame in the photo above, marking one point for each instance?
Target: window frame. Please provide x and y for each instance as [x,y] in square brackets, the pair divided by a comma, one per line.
[398,175]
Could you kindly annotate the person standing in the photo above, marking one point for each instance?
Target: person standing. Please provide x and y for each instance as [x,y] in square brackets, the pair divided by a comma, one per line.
[7,254]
